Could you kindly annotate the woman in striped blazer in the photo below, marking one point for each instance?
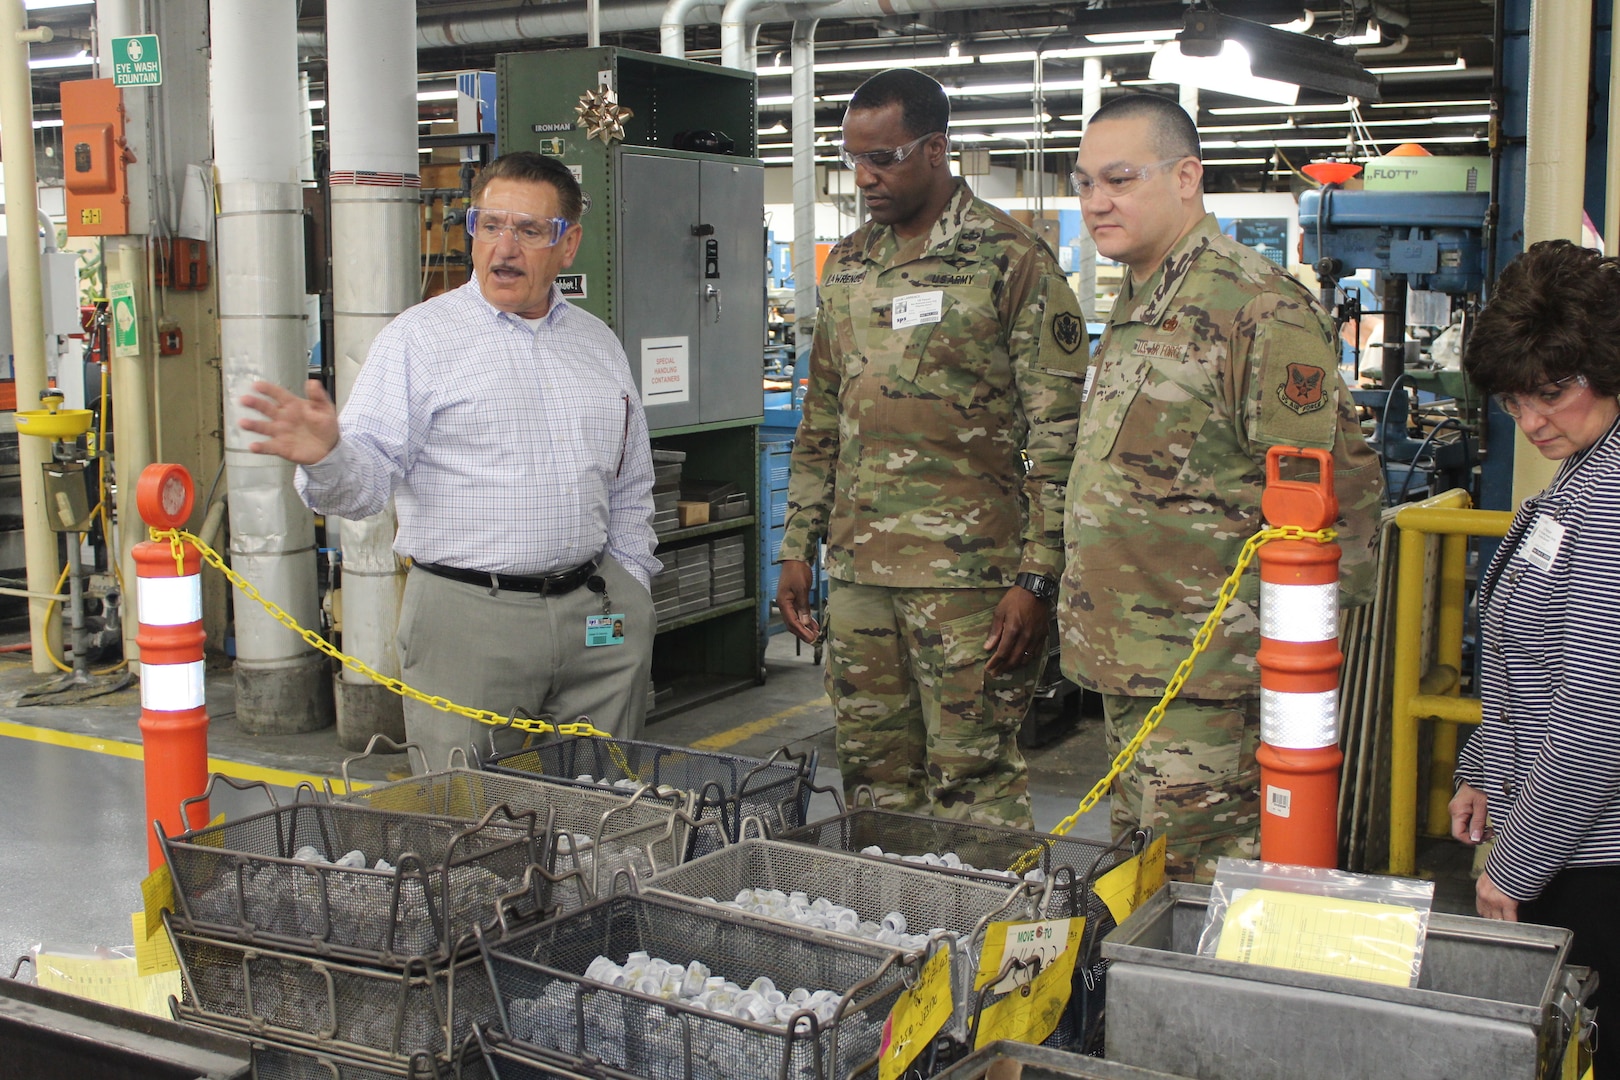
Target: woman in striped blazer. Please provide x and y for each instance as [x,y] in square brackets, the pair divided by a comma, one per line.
[1541,774]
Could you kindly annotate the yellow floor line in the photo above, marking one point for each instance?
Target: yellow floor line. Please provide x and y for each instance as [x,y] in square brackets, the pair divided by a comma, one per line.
[732,736]
[236,770]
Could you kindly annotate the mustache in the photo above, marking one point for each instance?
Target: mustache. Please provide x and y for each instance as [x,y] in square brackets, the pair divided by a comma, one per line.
[507,264]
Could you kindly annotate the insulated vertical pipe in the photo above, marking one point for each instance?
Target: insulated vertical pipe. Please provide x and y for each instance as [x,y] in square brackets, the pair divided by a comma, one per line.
[281,684]
[734,47]
[376,259]
[1090,102]
[672,27]
[804,190]
[27,310]
[1555,161]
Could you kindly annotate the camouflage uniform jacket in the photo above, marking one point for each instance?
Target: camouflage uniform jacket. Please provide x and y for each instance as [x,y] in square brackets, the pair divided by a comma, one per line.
[1218,356]
[936,361]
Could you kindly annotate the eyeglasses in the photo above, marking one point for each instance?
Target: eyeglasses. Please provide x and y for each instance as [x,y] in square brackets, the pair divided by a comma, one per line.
[883,159]
[527,230]
[1552,398]
[1116,182]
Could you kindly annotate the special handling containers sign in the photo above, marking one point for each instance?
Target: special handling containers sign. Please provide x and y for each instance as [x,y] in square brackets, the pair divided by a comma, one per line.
[136,61]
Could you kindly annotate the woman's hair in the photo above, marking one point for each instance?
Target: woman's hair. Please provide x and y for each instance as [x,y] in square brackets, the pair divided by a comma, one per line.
[1555,313]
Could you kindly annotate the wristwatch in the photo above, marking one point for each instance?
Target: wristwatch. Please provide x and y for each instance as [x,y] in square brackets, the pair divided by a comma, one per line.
[1044,587]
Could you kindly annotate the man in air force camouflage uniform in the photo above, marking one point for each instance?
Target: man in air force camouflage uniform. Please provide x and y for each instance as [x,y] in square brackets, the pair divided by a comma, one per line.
[947,342]
[1212,354]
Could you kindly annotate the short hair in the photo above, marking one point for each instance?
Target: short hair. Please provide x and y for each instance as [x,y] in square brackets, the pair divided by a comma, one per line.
[924,108]
[529,167]
[1173,132]
[1555,313]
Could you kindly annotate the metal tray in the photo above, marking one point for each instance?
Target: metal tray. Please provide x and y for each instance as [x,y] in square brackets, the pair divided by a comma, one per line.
[873,888]
[1494,1001]
[727,787]
[545,1001]
[239,881]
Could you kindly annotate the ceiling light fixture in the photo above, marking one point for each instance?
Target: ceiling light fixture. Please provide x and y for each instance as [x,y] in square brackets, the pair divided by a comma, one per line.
[1229,71]
[1272,54]
[79,59]
[1417,69]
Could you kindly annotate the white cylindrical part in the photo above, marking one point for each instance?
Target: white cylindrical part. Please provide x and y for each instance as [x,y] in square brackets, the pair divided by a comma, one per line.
[254,87]
[27,315]
[804,190]
[169,601]
[1299,721]
[1300,613]
[1189,100]
[371,86]
[1555,139]
[172,687]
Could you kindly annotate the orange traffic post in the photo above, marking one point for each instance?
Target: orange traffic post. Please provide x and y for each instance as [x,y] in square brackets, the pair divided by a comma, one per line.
[1299,669]
[174,718]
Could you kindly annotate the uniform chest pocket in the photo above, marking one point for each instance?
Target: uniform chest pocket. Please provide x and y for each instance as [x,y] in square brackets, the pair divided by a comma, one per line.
[1159,429]
[961,358]
[601,423]
[1112,391]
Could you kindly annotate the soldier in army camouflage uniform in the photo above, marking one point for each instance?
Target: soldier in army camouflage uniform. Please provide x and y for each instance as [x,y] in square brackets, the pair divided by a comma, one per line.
[1212,354]
[948,346]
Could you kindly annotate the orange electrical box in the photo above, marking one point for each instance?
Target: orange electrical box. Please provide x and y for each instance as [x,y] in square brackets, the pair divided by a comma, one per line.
[94,158]
[182,264]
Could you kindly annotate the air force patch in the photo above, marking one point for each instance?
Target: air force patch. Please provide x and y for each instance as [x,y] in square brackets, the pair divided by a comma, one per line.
[1304,390]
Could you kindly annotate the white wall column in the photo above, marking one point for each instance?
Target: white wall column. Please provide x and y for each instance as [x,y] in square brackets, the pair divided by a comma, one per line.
[281,683]
[376,262]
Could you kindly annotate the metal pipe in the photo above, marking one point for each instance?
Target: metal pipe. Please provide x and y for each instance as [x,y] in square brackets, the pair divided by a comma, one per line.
[672,27]
[734,50]
[27,309]
[281,684]
[804,189]
[376,256]
[569,19]
[1611,191]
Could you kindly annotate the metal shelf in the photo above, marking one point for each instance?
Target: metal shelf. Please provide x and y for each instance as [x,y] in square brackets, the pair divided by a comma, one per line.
[705,615]
[693,531]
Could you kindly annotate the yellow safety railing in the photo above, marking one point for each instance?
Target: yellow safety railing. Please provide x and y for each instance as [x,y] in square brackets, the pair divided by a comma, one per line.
[1434,694]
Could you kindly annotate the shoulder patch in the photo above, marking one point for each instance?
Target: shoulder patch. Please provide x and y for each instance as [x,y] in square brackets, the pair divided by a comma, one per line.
[1068,331]
[1304,388]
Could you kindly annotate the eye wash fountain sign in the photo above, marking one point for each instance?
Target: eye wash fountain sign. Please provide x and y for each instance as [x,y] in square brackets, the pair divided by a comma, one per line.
[136,61]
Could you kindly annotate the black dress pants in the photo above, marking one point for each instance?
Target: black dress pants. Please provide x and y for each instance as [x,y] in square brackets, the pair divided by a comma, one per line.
[1584,900]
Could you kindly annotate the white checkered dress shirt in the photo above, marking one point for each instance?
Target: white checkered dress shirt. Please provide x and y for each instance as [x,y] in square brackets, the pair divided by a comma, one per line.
[506,449]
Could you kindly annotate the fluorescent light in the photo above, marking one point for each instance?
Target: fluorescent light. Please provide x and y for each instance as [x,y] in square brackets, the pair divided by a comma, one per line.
[1471,102]
[1419,121]
[1029,136]
[317,127]
[80,59]
[992,121]
[1247,110]
[1127,36]
[1371,34]
[1208,162]
[982,90]
[1459,65]
[1244,127]
[1266,144]
[46,5]
[777,128]
[1226,73]
[53,122]
[437,95]
[967,60]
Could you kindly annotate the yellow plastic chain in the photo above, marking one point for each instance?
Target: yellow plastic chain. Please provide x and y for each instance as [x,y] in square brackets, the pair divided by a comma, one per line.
[1201,640]
[177,538]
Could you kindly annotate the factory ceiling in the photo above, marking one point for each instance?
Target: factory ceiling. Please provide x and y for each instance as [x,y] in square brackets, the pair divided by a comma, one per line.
[1433,59]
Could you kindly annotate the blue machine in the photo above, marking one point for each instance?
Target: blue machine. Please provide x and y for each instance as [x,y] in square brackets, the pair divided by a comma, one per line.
[1432,241]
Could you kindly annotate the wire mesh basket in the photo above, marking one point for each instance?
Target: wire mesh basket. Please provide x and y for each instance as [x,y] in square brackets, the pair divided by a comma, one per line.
[545,999]
[507,1060]
[598,833]
[955,909]
[375,1015]
[269,1061]
[726,787]
[1068,865]
[275,878]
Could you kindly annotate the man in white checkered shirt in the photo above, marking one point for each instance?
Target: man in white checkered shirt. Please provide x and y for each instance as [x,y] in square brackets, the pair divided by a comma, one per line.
[505,424]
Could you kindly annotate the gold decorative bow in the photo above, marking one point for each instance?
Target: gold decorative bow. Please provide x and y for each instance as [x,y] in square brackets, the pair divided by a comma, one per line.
[601,115]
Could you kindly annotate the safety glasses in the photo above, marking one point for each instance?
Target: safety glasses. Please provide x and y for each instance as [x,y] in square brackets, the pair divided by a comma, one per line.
[527,230]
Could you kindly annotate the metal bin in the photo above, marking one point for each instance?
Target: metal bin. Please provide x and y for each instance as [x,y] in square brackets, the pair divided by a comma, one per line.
[545,1001]
[873,888]
[1020,1061]
[272,1062]
[1494,1002]
[727,787]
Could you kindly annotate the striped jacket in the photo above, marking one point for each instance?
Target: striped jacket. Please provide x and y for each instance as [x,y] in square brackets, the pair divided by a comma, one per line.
[1547,755]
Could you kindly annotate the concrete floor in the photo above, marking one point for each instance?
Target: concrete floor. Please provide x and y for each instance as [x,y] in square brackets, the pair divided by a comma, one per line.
[74,850]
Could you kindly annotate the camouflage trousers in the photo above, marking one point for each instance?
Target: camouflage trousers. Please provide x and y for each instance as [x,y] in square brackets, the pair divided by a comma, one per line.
[918,721]
[1195,780]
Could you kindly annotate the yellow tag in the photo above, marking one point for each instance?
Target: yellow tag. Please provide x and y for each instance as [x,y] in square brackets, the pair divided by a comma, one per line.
[108,979]
[1151,878]
[154,953]
[1118,888]
[158,893]
[1031,1011]
[1357,939]
[917,1017]
[213,839]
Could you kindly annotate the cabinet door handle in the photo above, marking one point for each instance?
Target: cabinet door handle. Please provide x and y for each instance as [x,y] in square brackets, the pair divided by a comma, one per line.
[712,292]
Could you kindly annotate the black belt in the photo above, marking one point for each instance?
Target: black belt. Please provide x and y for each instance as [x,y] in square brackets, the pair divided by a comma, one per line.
[549,585]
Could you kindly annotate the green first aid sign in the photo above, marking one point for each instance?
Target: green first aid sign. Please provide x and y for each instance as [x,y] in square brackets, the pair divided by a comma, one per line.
[136,61]
[126,331]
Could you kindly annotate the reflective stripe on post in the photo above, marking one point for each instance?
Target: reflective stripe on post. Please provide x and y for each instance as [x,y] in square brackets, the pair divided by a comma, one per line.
[174,717]
[1299,670]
